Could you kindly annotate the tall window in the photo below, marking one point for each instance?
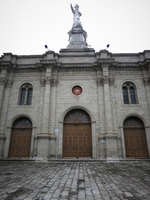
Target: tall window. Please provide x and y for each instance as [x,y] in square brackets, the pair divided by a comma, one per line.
[26,91]
[129,93]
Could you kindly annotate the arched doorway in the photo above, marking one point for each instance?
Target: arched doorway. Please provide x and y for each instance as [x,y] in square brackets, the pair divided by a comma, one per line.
[20,141]
[77,136]
[135,138]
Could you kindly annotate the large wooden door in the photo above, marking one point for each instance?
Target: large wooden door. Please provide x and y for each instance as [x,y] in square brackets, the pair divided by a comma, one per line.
[135,139]
[77,137]
[20,138]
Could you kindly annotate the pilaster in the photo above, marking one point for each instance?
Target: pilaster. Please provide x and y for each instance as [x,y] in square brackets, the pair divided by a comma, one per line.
[108,140]
[46,105]
[45,136]
[146,81]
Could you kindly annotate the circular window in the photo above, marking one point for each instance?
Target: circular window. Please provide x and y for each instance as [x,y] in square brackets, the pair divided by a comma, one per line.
[77,90]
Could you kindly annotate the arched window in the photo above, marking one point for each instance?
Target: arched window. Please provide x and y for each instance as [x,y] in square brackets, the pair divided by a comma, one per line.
[26,91]
[129,93]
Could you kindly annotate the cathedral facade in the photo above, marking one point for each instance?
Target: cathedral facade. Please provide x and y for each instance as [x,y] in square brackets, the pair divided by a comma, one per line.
[75,104]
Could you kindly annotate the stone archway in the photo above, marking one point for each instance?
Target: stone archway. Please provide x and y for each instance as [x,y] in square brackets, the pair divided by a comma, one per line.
[77,136]
[135,138]
[20,141]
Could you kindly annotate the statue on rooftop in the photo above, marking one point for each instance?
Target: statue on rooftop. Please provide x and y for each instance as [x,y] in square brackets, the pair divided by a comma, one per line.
[77,14]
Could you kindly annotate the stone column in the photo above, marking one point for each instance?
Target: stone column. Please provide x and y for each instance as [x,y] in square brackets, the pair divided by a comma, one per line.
[4,118]
[46,105]
[93,123]
[44,136]
[107,106]
[5,105]
[2,86]
[147,131]
[111,139]
[53,128]
[53,104]
[100,104]
[60,140]
[101,115]
[146,81]
[123,143]
[2,136]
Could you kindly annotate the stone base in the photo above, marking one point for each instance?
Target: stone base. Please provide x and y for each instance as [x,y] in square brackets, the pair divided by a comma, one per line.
[110,145]
[77,38]
[43,142]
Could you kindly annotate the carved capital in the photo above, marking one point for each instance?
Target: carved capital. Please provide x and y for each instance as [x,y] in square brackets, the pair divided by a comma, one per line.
[42,81]
[105,80]
[3,81]
[99,81]
[46,81]
[111,81]
[146,80]
[54,82]
[9,83]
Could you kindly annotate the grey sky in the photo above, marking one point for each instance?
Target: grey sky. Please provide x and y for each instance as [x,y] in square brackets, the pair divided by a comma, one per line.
[27,25]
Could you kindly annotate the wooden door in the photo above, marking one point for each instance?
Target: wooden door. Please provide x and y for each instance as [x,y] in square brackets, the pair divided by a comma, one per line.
[77,136]
[84,140]
[77,140]
[135,143]
[20,141]
[70,140]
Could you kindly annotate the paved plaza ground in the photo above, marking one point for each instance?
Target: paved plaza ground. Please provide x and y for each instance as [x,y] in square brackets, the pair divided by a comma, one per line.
[74,180]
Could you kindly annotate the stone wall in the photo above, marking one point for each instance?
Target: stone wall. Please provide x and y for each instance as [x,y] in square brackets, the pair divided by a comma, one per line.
[101,76]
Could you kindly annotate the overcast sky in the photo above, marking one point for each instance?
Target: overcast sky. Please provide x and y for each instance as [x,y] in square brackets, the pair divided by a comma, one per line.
[27,25]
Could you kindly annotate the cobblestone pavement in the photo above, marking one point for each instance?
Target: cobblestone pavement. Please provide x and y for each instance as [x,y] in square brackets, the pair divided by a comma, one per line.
[74,180]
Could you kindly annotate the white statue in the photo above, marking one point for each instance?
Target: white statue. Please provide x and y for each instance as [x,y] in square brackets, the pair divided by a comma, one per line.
[77,14]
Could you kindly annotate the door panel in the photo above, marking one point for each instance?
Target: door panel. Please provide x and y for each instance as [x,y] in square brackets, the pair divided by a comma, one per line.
[69,141]
[85,140]
[135,143]
[77,140]
[20,143]
[129,143]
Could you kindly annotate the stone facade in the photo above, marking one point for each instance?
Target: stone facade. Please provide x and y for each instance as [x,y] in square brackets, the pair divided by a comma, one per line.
[52,76]
[110,116]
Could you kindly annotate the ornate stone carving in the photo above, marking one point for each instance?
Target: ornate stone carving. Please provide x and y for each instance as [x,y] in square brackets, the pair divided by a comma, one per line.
[111,81]
[105,80]
[9,83]
[99,81]
[48,80]
[42,81]
[146,80]
[54,82]
[3,81]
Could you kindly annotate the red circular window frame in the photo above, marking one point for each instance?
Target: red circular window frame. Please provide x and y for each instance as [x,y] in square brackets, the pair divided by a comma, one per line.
[77,90]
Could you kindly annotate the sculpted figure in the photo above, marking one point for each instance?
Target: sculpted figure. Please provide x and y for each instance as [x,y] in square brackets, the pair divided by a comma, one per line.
[77,14]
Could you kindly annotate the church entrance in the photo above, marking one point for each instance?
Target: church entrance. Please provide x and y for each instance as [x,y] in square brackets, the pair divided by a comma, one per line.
[135,138]
[77,136]
[20,141]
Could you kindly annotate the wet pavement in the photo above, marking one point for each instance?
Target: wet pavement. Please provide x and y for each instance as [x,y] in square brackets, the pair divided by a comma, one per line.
[20,180]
